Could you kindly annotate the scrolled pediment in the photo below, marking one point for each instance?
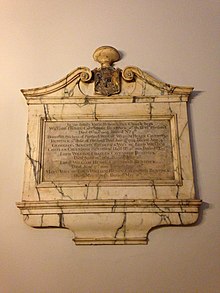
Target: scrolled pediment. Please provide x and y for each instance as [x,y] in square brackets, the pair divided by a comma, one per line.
[106,81]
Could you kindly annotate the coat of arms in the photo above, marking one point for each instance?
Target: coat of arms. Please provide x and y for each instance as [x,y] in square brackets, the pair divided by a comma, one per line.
[107,78]
[107,81]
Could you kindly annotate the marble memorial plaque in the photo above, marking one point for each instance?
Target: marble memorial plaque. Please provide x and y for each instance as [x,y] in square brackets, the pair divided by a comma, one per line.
[108,154]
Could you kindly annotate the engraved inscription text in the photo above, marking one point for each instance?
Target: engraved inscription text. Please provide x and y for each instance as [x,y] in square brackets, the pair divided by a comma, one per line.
[116,150]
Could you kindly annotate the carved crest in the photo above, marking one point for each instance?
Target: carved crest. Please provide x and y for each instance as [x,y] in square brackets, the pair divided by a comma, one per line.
[107,78]
[107,81]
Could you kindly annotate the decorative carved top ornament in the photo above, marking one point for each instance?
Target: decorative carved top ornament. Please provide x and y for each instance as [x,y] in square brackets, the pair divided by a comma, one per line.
[107,78]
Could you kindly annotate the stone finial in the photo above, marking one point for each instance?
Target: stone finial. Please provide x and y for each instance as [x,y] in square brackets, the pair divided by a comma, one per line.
[106,56]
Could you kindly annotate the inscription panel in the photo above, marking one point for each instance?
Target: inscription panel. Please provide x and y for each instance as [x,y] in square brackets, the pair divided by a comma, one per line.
[118,150]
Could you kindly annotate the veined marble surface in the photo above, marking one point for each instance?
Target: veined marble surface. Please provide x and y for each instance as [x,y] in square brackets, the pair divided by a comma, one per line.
[87,155]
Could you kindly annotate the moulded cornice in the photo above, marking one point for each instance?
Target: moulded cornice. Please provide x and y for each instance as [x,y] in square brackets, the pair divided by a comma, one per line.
[130,72]
[80,73]
[84,74]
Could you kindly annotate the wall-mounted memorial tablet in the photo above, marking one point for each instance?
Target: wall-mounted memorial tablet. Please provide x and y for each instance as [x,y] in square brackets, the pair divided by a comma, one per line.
[108,154]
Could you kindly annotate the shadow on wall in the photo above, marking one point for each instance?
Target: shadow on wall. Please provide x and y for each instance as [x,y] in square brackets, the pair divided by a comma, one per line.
[204,205]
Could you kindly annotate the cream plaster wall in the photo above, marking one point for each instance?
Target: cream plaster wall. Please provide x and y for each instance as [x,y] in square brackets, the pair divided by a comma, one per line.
[176,40]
